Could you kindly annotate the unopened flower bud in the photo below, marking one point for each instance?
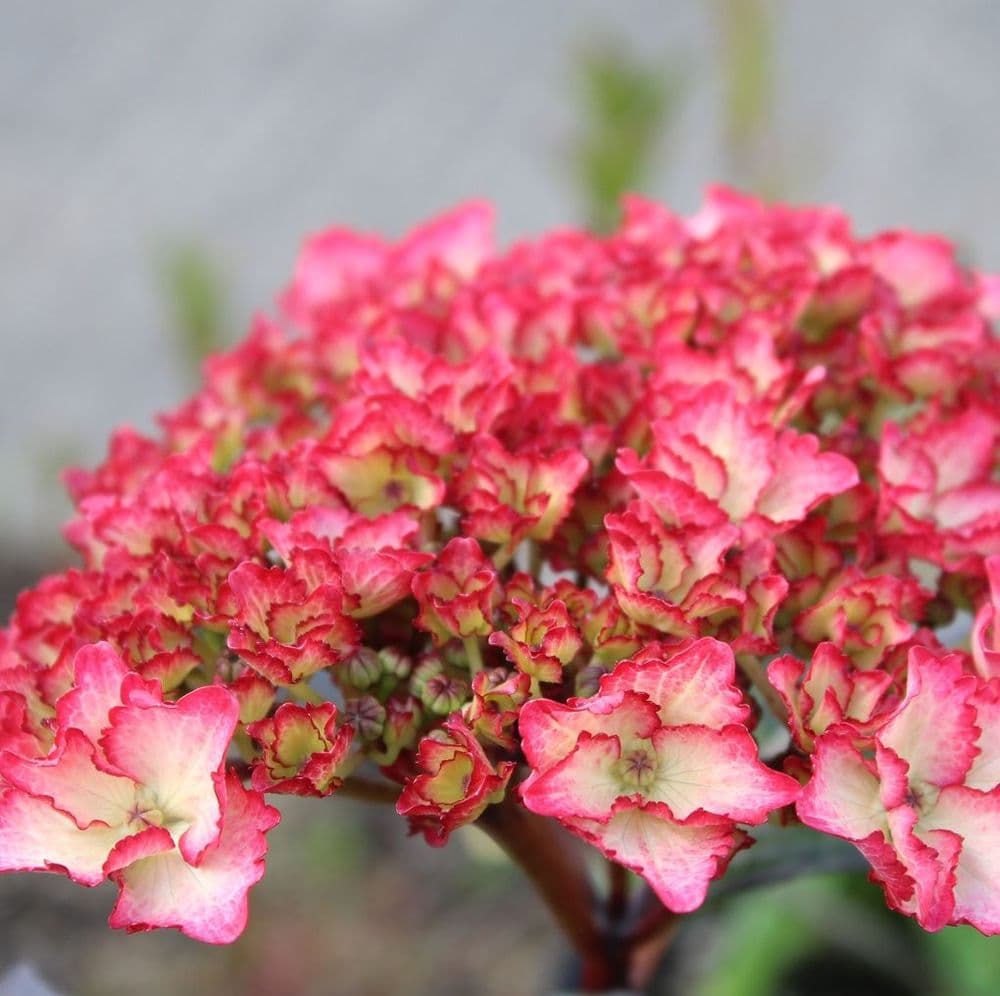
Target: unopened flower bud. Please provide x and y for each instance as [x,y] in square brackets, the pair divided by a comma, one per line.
[439,690]
[402,720]
[395,663]
[588,678]
[367,715]
[363,668]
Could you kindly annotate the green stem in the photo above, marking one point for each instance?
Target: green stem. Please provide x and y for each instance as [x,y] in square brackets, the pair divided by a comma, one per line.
[535,559]
[302,691]
[502,556]
[473,654]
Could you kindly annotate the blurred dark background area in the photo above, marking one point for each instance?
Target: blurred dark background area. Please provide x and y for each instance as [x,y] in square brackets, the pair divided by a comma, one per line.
[160,165]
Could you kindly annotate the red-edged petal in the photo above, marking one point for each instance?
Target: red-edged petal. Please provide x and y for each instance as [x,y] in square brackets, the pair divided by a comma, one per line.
[803,477]
[36,837]
[695,686]
[984,774]
[934,730]
[71,781]
[330,263]
[549,730]
[929,857]
[917,267]
[97,688]
[175,752]
[461,239]
[206,901]
[843,796]
[888,870]
[986,627]
[146,843]
[975,817]
[583,784]
[678,858]
[717,771]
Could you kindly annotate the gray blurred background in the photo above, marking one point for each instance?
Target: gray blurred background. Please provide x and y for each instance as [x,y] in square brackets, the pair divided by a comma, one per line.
[132,132]
[160,164]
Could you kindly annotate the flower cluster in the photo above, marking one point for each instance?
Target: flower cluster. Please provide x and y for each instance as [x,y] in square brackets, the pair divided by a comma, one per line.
[549,529]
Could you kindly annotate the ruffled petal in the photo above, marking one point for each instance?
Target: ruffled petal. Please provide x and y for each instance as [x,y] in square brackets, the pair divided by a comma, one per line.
[549,730]
[975,818]
[717,771]
[678,858]
[696,686]
[583,784]
[175,751]
[206,901]
[97,689]
[934,730]
[843,796]
[71,781]
[36,837]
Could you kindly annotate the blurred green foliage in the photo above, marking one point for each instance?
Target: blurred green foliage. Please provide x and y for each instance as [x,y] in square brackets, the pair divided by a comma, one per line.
[628,106]
[745,30]
[966,961]
[627,109]
[194,291]
[830,935]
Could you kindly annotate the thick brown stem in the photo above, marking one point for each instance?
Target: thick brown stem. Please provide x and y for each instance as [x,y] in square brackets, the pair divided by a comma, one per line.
[616,950]
[617,892]
[652,921]
[551,859]
[645,956]
[648,939]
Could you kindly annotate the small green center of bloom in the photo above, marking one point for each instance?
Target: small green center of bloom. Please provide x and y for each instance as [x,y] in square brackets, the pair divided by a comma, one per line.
[146,815]
[922,796]
[637,767]
[154,817]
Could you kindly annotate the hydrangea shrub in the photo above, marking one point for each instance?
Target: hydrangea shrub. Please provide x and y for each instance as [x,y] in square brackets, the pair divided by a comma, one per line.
[539,539]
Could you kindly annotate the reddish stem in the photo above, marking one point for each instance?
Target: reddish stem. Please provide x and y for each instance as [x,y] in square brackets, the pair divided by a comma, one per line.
[614,952]
[552,861]
[617,892]
[646,948]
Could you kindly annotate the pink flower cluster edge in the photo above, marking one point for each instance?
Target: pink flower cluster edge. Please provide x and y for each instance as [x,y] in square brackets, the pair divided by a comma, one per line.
[552,527]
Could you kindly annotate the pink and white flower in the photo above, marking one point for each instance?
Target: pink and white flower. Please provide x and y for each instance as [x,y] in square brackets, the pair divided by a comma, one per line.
[508,497]
[986,627]
[716,460]
[135,790]
[830,691]
[939,498]
[657,770]
[921,797]
[303,750]
[456,783]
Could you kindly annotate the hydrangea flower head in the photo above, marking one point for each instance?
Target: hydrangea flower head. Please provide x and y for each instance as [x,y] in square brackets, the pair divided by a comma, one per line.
[533,539]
